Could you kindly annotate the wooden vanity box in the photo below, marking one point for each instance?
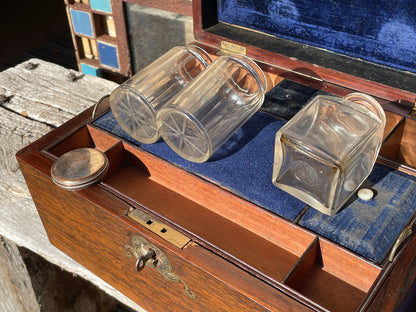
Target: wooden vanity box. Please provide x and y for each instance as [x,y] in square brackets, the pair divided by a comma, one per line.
[175,236]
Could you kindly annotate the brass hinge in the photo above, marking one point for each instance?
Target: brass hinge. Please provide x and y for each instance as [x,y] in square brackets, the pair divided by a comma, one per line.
[231,48]
[160,229]
[413,112]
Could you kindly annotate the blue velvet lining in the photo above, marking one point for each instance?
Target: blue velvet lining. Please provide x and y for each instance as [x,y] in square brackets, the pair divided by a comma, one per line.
[370,228]
[232,165]
[382,32]
[244,166]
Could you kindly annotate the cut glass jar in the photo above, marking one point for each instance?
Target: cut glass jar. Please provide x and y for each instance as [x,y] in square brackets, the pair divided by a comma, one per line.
[136,102]
[327,150]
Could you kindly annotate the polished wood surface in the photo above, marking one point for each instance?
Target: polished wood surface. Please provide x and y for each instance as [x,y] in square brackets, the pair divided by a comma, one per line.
[90,226]
[233,259]
[183,7]
[97,243]
[241,257]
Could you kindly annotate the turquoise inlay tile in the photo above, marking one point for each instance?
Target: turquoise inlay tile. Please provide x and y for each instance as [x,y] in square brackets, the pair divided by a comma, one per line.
[82,22]
[108,55]
[90,70]
[101,5]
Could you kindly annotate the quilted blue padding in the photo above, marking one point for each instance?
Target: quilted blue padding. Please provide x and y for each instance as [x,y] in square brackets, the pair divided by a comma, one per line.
[383,31]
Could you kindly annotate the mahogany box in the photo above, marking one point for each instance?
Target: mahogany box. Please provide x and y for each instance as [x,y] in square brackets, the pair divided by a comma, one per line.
[218,236]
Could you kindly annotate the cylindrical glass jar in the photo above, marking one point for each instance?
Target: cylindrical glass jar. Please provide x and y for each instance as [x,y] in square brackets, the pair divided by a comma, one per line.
[135,102]
[205,114]
[327,150]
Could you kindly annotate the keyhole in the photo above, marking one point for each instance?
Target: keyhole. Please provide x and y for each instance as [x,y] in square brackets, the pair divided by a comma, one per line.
[141,262]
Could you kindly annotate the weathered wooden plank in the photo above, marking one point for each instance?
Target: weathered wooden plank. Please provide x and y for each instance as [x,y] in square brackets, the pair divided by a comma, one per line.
[58,290]
[49,93]
[16,290]
[41,96]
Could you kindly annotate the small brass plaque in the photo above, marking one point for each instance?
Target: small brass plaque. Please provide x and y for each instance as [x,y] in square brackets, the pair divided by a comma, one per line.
[164,231]
[231,48]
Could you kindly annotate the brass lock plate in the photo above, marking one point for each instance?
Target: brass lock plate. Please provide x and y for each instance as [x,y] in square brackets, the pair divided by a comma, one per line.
[166,232]
[144,251]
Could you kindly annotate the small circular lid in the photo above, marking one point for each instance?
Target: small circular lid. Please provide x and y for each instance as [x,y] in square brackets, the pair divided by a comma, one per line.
[79,168]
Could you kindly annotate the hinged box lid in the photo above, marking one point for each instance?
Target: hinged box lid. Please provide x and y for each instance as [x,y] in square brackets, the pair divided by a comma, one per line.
[374,41]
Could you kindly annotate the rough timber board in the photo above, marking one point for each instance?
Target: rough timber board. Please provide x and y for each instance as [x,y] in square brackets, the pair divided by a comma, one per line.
[16,291]
[41,98]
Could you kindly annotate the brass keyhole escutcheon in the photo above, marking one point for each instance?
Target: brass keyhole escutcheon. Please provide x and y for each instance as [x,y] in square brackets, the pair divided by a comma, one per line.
[151,256]
[141,262]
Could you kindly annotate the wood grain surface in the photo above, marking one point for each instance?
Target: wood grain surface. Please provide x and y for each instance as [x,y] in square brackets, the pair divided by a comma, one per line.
[80,223]
[39,97]
[75,220]
[85,225]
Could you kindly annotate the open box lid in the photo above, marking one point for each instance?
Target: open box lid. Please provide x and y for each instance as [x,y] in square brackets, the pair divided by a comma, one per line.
[373,41]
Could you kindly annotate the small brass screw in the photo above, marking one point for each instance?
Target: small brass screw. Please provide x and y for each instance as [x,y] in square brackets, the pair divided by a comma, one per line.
[31,65]
[73,76]
[4,98]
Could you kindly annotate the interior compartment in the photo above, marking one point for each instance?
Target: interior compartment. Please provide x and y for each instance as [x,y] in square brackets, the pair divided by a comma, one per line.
[104,25]
[84,137]
[163,190]
[203,210]
[271,247]
[331,277]
[400,143]
[87,48]
[199,207]
[392,121]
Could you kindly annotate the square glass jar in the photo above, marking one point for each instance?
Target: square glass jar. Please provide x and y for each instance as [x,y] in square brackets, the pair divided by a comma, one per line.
[327,150]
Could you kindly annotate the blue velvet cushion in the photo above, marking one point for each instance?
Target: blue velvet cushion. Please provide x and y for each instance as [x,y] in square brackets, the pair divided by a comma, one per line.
[370,228]
[382,31]
[244,166]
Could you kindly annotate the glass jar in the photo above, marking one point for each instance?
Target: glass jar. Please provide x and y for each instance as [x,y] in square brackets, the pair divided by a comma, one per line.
[135,102]
[325,152]
[205,114]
